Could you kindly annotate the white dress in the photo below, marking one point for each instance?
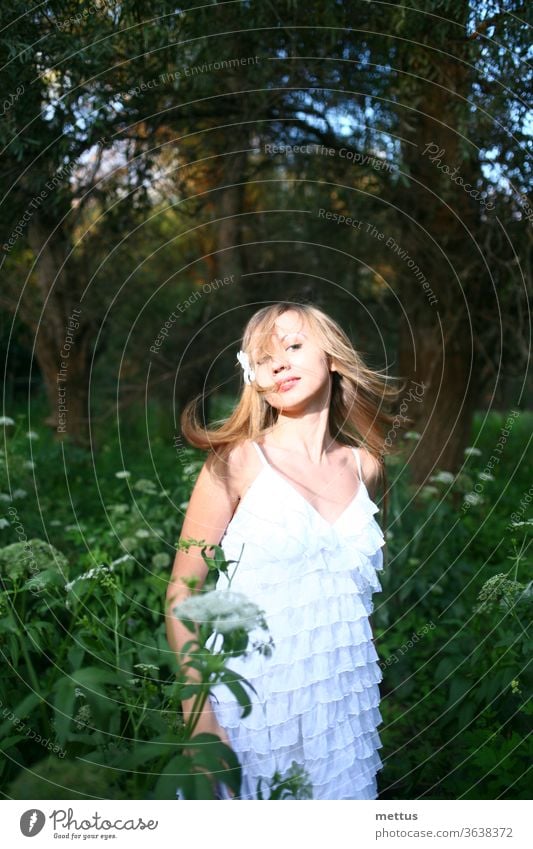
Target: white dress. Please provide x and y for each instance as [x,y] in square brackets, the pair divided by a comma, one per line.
[317,700]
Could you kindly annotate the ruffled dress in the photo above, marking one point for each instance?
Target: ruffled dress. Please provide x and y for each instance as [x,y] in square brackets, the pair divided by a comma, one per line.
[317,696]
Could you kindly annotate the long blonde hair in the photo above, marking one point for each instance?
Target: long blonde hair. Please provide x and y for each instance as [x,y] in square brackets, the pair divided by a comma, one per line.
[358,414]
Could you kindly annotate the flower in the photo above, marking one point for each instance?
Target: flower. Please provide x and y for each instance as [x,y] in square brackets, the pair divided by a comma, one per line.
[473,498]
[22,559]
[83,717]
[4,523]
[95,572]
[28,464]
[123,474]
[498,590]
[161,560]
[428,491]
[411,434]
[226,611]
[19,493]
[5,420]
[142,533]
[472,452]
[442,477]
[145,485]
[248,372]
[146,667]
[31,434]
[118,509]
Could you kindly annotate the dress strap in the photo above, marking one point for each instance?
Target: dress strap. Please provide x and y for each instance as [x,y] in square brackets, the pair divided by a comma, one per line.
[261,455]
[358,457]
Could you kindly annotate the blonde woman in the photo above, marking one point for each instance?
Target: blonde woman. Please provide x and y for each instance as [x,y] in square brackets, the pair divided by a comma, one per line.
[287,491]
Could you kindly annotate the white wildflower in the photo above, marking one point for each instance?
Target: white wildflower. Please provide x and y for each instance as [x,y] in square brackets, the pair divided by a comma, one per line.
[161,560]
[28,464]
[31,434]
[87,576]
[83,717]
[411,434]
[472,452]
[4,523]
[146,486]
[142,533]
[4,496]
[123,474]
[224,610]
[191,468]
[5,420]
[183,505]
[121,559]
[19,493]
[442,477]
[428,491]
[473,498]
[119,509]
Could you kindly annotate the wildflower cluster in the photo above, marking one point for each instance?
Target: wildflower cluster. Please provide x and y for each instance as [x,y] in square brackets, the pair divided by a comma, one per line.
[499,591]
[223,611]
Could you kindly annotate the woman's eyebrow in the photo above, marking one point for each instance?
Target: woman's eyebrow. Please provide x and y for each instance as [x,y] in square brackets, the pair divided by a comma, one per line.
[293,333]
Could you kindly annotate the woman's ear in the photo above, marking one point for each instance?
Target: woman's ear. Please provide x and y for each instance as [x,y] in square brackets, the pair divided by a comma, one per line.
[331,364]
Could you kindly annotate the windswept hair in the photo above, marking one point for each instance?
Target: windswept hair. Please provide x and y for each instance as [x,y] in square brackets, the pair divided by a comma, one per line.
[360,397]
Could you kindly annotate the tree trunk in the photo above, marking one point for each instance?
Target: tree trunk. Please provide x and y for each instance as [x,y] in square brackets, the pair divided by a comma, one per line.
[439,230]
[62,339]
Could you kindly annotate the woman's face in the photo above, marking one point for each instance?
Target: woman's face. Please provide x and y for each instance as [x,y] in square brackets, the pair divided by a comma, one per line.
[294,361]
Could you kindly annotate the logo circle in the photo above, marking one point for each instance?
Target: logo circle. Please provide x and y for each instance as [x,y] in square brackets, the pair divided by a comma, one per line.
[32,822]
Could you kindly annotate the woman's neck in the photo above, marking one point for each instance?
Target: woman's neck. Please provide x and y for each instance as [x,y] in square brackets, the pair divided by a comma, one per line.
[307,434]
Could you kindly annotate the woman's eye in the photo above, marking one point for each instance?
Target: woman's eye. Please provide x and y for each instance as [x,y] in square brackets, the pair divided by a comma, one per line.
[296,345]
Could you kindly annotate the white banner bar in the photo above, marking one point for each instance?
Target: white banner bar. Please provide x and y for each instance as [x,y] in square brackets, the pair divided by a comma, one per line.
[309,824]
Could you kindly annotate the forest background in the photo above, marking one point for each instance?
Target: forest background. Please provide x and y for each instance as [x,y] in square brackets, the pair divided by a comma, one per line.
[166,171]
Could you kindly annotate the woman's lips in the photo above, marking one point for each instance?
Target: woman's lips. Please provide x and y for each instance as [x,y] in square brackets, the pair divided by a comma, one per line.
[285,385]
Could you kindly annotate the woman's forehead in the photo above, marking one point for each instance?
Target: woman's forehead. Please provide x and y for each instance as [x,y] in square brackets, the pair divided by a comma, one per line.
[285,327]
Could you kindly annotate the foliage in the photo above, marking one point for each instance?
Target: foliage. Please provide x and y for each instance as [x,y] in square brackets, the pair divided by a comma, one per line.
[93,677]
[88,673]
[456,660]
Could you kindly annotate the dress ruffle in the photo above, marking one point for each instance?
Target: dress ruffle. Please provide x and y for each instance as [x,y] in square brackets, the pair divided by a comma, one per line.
[317,696]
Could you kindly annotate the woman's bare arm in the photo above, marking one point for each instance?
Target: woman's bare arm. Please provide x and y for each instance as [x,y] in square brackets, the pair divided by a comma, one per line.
[210,509]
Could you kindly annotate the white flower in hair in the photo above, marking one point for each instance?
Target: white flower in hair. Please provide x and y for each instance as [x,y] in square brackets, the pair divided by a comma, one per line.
[248,372]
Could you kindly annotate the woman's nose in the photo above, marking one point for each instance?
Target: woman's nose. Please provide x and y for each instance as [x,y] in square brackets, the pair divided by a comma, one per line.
[277,364]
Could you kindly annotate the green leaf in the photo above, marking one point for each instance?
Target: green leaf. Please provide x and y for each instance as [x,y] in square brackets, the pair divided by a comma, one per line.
[178,774]
[143,753]
[63,706]
[229,678]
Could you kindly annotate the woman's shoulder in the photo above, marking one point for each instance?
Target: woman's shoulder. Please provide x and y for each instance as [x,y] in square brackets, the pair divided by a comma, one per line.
[371,467]
[241,466]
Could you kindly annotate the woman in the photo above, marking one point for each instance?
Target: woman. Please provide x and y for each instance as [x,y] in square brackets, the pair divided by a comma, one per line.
[286,491]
